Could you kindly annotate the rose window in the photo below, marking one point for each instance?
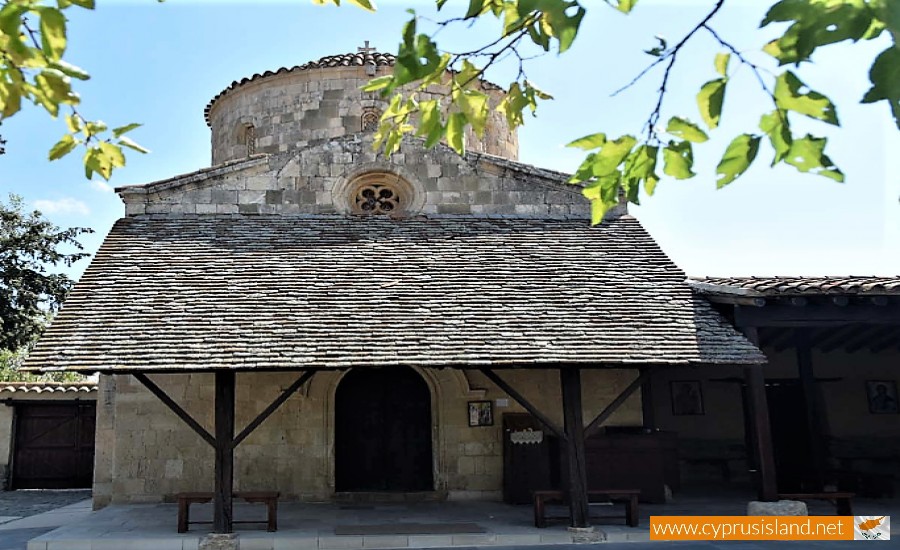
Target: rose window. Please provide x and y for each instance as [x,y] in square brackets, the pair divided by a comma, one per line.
[377,199]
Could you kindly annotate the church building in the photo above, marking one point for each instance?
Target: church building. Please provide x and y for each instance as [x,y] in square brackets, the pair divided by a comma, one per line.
[311,317]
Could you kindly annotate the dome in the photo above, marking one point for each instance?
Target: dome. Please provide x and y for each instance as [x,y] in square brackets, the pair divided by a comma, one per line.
[286,109]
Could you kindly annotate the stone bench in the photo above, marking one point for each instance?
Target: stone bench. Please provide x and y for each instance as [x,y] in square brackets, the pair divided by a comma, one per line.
[841,501]
[628,497]
[269,498]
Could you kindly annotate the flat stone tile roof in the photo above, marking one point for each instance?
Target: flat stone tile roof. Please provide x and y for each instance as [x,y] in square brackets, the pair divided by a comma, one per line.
[193,293]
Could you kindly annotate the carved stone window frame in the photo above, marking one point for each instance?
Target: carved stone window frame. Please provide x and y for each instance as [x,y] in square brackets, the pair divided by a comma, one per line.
[370,119]
[374,190]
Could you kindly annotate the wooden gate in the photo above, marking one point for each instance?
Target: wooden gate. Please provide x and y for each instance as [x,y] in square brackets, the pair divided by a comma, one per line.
[53,445]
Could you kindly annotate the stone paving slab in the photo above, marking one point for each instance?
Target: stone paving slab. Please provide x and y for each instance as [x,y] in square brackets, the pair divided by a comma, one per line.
[306,526]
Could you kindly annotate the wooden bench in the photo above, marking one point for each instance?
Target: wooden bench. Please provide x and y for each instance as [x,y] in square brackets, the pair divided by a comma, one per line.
[841,501]
[629,497]
[269,498]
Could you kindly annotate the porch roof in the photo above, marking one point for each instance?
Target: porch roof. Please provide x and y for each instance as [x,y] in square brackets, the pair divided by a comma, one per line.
[289,292]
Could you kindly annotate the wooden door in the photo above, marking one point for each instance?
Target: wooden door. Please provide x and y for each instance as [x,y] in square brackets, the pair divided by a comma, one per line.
[53,446]
[383,431]
[531,458]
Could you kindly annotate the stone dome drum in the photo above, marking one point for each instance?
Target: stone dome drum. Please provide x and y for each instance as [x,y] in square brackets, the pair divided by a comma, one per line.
[287,109]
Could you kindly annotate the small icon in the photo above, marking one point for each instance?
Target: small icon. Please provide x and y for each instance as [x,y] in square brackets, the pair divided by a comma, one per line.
[872,528]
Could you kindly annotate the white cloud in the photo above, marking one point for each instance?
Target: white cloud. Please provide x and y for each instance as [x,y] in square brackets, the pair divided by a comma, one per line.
[100,185]
[66,205]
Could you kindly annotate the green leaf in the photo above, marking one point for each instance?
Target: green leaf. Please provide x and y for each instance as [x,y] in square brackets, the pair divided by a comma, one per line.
[587,143]
[679,159]
[625,6]
[789,96]
[816,23]
[456,132]
[739,155]
[710,100]
[475,8]
[87,4]
[807,154]
[117,132]
[63,147]
[113,153]
[686,129]
[430,124]
[474,105]
[721,63]
[640,166]
[10,99]
[53,33]
[775,125]
[127,142]
[377,84]
[69,70]
[885,77]
[611,155]
[73,123]
[603,194]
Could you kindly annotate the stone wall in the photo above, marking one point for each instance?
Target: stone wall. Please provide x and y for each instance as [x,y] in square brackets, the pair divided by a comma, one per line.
[314,181]
[290,110]
[146,454]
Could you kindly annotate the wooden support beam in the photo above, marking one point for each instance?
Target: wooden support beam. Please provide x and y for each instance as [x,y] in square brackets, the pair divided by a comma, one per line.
[224,483]
[285,395]
[174,407]
[823,314]
[520,399]
[865,336]
[889,341]
[840,301]
[880,301]
[836,340]
[570,382]
[595,424]
[761,430]
[808,385]
[798,301]
[647,411]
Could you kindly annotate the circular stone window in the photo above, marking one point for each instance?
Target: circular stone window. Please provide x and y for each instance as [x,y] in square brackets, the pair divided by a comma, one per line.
[379,193]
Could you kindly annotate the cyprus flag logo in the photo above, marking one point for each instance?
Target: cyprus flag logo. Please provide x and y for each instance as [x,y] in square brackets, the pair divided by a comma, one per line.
[871,527]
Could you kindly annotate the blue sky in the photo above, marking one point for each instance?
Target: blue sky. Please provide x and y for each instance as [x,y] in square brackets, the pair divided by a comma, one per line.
[160,64]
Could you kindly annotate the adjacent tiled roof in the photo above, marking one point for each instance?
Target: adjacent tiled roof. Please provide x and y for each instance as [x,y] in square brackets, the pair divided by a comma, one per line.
[342,60]
[796,286]
[47,387]
[273,292]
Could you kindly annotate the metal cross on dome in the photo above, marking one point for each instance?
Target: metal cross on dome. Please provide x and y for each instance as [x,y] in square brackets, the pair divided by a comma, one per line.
[365,50]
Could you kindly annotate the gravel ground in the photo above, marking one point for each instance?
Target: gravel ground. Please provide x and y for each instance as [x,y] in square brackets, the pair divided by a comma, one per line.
[24,503]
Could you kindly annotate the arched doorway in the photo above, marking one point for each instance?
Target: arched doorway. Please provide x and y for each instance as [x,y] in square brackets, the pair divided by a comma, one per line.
[383,431]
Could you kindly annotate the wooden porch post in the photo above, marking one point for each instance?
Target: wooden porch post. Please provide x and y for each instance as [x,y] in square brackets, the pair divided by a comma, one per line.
[767,486]
[224,483]
[570,381]
[808,384]
[762,433]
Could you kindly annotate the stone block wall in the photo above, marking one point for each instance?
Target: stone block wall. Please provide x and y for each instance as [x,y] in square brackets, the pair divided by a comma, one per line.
[146,454]
[314,181]
[290,110]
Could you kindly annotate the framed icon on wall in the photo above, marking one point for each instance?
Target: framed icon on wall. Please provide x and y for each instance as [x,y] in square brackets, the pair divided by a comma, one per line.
[481,413]
[882,396]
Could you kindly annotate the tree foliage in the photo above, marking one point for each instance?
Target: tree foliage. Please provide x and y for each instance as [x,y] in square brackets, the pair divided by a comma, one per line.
[29,246]
[626,164]
[33,42]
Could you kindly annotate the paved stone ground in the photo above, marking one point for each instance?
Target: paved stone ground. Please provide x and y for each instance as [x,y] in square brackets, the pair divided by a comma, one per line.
[17,539]
[30,502]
